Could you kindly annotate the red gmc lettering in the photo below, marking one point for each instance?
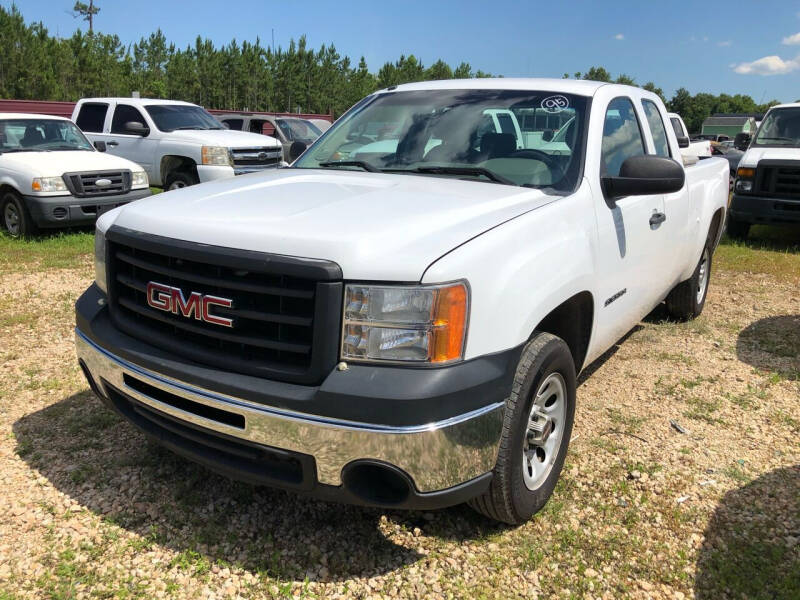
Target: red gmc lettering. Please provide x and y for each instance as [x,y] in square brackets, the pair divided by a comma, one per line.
[171,299]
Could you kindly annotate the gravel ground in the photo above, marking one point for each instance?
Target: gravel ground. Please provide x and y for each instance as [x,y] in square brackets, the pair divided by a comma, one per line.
[708,506]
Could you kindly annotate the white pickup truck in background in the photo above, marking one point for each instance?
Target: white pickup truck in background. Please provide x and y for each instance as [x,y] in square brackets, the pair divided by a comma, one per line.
[178,143]
[403,325]
[51,175]
[691,151]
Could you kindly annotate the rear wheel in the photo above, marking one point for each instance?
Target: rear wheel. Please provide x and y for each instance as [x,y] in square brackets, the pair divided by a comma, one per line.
[537,427]
[737,230]
[180,179]
[686,301]
[17,221]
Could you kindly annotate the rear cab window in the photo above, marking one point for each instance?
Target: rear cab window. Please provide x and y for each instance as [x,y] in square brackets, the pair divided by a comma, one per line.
[677,127]
[235,124]
[92,117]
[657,129]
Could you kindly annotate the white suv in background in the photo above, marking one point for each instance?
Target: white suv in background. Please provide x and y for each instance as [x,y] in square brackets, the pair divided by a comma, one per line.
[177,143]
[51,175]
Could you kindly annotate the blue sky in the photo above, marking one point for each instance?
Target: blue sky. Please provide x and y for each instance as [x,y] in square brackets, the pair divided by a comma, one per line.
[732,47]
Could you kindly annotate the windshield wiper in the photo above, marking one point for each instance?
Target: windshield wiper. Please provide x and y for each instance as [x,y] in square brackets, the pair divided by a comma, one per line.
[441,170]
[23,150]
[351,163]
[187,127]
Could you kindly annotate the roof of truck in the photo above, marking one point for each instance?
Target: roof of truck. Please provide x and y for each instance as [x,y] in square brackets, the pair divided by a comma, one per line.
[15,115]
[787,105]
[137,101]
[580,87]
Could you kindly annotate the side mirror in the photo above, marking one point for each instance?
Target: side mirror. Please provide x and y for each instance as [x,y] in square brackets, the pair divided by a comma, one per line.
[137,128]
[742,141]
[100,145]
[295,150]
[644,175]
[683,141]
[547,135]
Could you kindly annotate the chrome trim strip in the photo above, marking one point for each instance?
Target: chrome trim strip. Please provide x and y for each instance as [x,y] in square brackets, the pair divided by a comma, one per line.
[289,414]
[435,455]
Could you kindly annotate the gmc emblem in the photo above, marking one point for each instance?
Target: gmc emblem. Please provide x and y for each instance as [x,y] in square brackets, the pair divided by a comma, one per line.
[171,299]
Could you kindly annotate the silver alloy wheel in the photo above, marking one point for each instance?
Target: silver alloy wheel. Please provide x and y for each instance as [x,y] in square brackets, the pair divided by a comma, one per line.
[544,431]
[702,276]
[11,219]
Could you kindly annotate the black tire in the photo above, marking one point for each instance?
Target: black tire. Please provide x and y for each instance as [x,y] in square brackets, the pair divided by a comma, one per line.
[686,300]
[16,219]
[737,230]
[180,179]
[509,499]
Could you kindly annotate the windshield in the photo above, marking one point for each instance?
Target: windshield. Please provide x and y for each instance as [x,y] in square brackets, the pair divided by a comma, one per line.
[298,130]
[41,135]
[169,117]
[781,127]
[525,138]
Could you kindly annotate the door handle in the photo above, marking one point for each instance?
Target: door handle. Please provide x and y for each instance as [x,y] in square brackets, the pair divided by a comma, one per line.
[657,218]
[112,143]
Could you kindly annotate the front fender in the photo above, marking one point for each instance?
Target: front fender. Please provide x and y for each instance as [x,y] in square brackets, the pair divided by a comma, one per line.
[521,270]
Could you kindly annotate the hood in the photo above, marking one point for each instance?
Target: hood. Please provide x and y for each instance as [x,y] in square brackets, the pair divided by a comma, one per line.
[754,155]
[223,137]
[375,226]
[51,164]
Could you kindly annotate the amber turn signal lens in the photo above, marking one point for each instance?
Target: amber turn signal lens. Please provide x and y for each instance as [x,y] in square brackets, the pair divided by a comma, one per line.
[449,323]
[745,172]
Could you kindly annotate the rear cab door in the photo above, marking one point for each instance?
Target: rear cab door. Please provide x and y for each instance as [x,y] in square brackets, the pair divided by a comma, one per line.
[674,230]
[90,118]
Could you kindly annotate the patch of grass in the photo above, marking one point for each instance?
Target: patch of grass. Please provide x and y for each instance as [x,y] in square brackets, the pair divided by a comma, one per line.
[62,250]
[749,398]
[787,420]
[771,250]
[701,409]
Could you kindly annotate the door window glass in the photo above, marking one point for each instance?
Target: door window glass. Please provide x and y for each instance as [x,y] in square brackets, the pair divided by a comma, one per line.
[91,117]
[656,128]
[622,136]
[125,113]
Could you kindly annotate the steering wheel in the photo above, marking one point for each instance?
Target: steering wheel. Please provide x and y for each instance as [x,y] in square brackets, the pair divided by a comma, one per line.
[536,155]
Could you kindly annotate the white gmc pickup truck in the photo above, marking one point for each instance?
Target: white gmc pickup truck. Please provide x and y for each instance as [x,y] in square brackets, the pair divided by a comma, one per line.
[403,329]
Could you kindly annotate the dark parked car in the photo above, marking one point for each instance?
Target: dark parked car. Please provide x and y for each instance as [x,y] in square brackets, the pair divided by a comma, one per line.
[732,155]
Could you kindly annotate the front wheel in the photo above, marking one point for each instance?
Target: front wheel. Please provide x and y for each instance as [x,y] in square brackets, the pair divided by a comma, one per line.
[180,179]
[17,221]
[537,426]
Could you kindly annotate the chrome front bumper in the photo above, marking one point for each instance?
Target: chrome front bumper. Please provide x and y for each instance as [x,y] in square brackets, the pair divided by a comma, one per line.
[436,456]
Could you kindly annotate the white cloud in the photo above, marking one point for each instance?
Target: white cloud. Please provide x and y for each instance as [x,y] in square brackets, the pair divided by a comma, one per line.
[792,40]
[725,43]
[768,65]
[619,36]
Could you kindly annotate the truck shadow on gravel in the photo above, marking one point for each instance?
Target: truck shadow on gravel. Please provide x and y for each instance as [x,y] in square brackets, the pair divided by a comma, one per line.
[773,344]
[100,461]
[752,543]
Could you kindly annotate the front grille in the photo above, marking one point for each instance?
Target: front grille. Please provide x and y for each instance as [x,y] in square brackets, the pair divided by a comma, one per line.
[85,185]
[285,310]
[258,157]
[778,179]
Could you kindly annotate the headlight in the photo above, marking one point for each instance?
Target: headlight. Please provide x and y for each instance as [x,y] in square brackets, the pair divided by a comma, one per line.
[139,180]
[744,179]
[418,324]
[48,184]
[217,155]
[100,260]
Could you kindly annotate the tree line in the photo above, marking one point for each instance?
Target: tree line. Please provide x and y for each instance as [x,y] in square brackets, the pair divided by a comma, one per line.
[240,75]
